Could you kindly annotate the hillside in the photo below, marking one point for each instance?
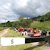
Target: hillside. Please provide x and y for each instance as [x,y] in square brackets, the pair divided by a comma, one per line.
[45,17]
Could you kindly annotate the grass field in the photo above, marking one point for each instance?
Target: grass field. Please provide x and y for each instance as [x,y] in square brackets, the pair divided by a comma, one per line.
[41,25]
[13,33]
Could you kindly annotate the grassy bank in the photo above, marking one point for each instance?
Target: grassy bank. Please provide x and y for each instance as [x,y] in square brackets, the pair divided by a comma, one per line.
[41,25]
[13,33]
[20,47]
[1,28]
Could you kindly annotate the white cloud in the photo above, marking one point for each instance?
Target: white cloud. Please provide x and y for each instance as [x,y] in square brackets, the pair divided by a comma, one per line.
[6,13]
[33,7]
[17,4]
[12,9]
[2,20]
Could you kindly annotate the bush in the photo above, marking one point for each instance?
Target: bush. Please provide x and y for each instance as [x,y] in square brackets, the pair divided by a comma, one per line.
[41,20]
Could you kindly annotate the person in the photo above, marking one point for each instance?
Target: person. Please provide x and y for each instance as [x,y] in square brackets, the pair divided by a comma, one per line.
[44,33]
[36,34]
[21,29]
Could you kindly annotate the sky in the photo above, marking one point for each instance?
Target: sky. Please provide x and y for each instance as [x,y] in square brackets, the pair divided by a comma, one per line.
[11,10]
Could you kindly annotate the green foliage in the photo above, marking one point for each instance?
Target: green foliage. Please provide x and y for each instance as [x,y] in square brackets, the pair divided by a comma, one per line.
[22,23]
[41,20]
[45,17]
[25,23]
[8,24]
[44,31]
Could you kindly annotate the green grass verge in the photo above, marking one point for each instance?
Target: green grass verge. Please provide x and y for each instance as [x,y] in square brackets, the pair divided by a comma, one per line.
[41,25]
[13,33]
[20,47]
[1,28]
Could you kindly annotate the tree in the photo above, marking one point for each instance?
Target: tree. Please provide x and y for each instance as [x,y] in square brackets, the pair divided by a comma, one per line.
[8,24]
[41,20]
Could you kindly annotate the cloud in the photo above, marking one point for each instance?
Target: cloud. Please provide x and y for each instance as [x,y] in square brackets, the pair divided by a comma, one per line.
[32,8]
[2,20]
[13,9]
[6,13]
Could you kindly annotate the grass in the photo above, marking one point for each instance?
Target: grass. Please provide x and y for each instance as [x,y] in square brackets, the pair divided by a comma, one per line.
[1,28]
[41,25]
[20,47]
[13,33]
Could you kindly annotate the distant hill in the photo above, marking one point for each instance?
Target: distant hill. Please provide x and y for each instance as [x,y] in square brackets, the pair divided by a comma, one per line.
[45,17]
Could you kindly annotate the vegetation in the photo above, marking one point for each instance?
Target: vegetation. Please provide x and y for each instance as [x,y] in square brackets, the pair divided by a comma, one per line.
[41,25]
[13,33]
[20,47]
[20,23]
[41,22]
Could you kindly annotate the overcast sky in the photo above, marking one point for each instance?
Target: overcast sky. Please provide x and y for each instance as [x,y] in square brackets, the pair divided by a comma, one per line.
[11,10]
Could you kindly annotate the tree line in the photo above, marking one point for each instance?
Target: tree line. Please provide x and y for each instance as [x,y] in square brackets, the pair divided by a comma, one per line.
[20,23]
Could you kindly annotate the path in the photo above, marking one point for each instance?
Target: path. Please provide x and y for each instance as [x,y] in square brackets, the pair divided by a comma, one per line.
[4,32]
[45,47]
